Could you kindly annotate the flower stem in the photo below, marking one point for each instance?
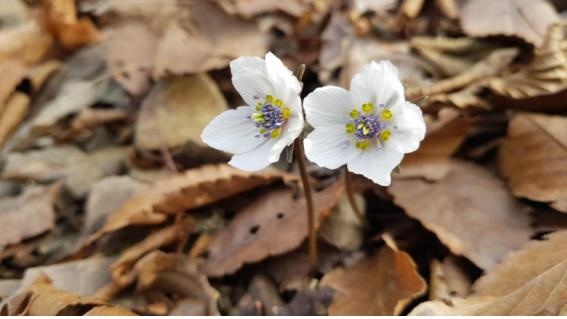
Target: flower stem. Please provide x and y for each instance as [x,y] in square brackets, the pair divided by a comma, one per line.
[299,154]
[351,200]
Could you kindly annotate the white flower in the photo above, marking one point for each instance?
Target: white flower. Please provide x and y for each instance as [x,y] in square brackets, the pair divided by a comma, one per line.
[369,128]
[257,133]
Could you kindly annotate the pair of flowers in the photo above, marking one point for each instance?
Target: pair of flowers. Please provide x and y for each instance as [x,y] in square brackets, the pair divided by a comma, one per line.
[368,128]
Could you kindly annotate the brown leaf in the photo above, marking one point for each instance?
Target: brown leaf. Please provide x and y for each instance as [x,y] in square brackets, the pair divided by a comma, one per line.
[469,210]
[12,72]
[342,228]
[533,157]
[27,215]
[176,111]
[529,282]
[375,286]
[448,280]
[251,8]
[185,191]
[131,61]
[208,43]
[77,169]
[27,42]
[42,299]
[109,311]
[539,84]
[71,31]
[526,19]
[433,158]
[273,224]
[15,110]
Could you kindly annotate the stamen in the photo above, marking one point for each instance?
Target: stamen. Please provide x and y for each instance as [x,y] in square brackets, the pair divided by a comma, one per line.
[269,98]
[368,108]
[286,113]
[271,115]
[350,128]
[278,103]
[276,133]
[354,114]
[385,135]
[362,145]
[386,114]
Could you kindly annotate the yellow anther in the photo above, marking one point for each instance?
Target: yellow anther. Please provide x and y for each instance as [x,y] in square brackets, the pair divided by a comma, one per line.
[278,103]
[386,114]
[350,128]
[354,113]
[368,107]
[365,130]
[257,117]
[362,145]
[286,113]
[385,135]
[263,131]
[269,98]
[276,133]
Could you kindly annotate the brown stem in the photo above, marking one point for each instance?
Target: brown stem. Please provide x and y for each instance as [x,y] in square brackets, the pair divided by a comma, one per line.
[299,155]
[351,199]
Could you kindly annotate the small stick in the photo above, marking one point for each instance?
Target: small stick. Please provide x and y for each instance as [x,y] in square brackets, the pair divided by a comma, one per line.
[351,200]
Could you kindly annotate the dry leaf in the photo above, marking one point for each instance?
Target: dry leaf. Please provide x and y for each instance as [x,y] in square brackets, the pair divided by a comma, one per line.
[381,285]
[109,311]
[61,19]
[209,43]
[176,111]
[15,110]
[273,224]
[11,73]
[83,277]
[131,61]
[448,280]
[469,210]
[529,282]
[27,43]
[185,191]
[251,8]
[42,299]
[30,214]
[539,84]
[433,158]
[342,228]
[8,287]
[77,169]
[526,19]
[533,157]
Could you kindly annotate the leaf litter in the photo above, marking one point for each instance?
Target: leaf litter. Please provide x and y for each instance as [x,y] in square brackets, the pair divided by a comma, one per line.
[112,205]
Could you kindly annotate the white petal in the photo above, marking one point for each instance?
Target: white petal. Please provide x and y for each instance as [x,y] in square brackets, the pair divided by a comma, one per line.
[253,87]
[290,132]
[246,65]
[409,129]
[329,105]
[330,146]
[285,84]
[378,83]
[376,164]
[232,131]
[255,159]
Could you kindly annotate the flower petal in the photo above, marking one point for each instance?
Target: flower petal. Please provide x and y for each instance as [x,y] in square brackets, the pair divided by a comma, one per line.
[329,105]
[409,129]
[285,84]
[246,65]
[330,146]
[378,83]
[291,131]
[232,131]
[376,164]
[255,159]
[252,87]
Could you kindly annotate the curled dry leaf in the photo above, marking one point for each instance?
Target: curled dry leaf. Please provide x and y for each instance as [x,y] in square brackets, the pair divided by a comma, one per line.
[177,110]
[185,191]
[27,42]
[531,281]
[30,214]
[448,280]
[469,210]
[533,157]
[12,72]
[42,299]
[381,285]
[273,224]
[526,19]
[77,169]
[433,158]
[539,84]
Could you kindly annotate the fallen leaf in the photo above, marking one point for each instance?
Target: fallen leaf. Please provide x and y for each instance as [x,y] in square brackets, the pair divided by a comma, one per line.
[342,228]
[12,72]
[539,84]
[77,169]
[379,285]
[71,31]
[526,19]
[108,311]
[433,158]
[469,210]
[130,61]
[448,280]
[15,110]
[185,191]
[273,224]
[30,214]
[176,111]
[251,8]
[8,287]
[529,282]
[533,157]
[27,42]
[13,12]
[42,299]
[83,277]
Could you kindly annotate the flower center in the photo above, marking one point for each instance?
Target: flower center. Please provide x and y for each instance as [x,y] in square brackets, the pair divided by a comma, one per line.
[270,116]
[369,126]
